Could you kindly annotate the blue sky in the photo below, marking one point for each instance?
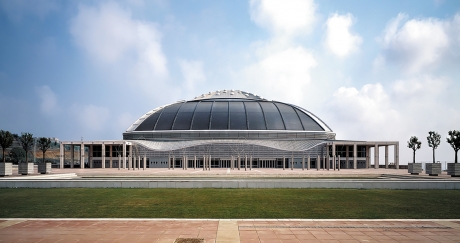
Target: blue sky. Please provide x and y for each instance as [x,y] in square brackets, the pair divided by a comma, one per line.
[372,70]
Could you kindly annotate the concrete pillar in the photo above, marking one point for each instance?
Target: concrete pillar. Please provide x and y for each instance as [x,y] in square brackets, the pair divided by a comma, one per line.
[326,161]
[303,163]
[386,156]
[355,155]
[239,163]
[61,155]
[346,158]
[90,156]
[204,161]
[318,162]
[376,156]
[119,162]
[130,156]
[123,159]
[169,162]
[110,156]
[72,155]
[396,154]
[333,156]
[250,163]
[82,156]
[145,162]
[194,163]
[292,162]
[129,161]
[103,156]
[338,162]
[173,162]
[284,162]
[368,157]
[209,164]
[246,163]
[308,162]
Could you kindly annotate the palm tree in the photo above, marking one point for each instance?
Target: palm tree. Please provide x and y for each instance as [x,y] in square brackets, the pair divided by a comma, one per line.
[454,141]
[434,139]
[26,141]
[6,140]
[44,144]
[414,144]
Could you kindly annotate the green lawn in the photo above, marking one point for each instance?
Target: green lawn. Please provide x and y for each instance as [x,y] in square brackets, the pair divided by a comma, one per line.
[229,203]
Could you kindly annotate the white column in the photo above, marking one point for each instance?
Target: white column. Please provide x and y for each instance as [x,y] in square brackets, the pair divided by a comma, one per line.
[129,161]
[173,162]
[368,156]
[333,156]
[103,156]
[326,162]
[355,155]
[209,162]
[145,161]
[204,161]
[338,163]
[110,156]
[250,163]
[308,162]
[346,158]
[239,163]
[61,156]
[283,162]
[123,160]
[169,162]
[82,156]
[317,162]
[72,155]
[194,163]
[386,156]
[90,156]
[119,162]
[303,163]
[396,154]
[292,162]
[376,156]
[246,163]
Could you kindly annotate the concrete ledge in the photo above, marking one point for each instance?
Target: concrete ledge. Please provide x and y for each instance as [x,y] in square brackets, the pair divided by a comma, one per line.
[247,183]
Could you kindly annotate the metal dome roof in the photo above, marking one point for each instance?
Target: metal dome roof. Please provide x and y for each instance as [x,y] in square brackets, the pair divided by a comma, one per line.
[229,110]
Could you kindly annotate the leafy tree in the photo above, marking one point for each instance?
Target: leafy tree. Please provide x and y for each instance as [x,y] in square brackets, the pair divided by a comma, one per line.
[6,140]
[434,139]
[26,141]
[44,144]
[414,144]
[17,154]
[454,141]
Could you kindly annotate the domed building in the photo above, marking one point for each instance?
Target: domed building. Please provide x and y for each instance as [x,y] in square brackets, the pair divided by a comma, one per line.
[230,129]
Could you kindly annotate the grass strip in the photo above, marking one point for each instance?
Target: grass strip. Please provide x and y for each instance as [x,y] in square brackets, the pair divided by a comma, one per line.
[229,203]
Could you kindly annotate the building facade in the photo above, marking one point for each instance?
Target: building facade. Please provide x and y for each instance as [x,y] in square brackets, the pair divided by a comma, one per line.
[228,129]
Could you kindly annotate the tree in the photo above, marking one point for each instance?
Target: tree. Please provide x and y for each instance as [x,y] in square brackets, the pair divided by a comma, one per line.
[434,139]
[414,144]
[17,154]
[6,140]
[454,141]
[26,141]
[44,144]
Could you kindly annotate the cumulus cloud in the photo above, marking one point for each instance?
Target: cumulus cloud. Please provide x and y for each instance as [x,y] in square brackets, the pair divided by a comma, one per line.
[407,107]
[91,117]
[193,73]
[110,35]
[293,17]
[339,40]
[419,44]
[48,100]
[287,70]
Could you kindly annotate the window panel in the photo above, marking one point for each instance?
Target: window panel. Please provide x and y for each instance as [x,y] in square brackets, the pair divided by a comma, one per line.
[167,117]
[272,116]
[219,117]
[149,123]
[255,117]
[184,116]
[237,116]
[291,120]
[308,123]
[201,116]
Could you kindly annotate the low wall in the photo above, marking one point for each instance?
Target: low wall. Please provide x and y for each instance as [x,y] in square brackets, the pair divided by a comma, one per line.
[246,183]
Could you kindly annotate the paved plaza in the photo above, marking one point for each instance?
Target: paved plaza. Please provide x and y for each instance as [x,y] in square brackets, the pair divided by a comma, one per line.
[226,231]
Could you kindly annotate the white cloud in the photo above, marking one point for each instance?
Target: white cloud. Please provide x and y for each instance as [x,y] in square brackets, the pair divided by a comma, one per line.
[193,73]
[339,40]
[286,73]
[48,100]
[294,17]
[416,44]
[91,117]
[111,36]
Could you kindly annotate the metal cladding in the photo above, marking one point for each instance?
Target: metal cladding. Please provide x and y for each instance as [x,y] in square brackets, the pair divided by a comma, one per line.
[228,111]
